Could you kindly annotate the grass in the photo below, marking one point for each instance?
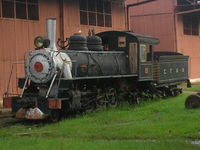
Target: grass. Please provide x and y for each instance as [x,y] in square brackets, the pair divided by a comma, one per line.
[194,88]
[76,144]
[161,119]
[161,124]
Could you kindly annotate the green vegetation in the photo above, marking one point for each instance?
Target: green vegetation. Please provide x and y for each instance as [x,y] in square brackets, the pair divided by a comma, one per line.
[194,88]
[81,144]
[161,124]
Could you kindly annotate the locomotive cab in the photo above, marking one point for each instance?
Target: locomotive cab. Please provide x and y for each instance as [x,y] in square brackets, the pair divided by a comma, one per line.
[138,48]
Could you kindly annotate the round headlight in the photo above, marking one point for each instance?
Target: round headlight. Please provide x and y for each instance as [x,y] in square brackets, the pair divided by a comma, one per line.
[41,42]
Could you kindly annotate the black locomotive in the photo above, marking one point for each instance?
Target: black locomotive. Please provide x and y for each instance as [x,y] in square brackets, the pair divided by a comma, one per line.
[93,72]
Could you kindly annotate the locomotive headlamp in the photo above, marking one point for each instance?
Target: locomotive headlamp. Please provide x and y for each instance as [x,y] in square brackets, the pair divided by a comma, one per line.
[41,42]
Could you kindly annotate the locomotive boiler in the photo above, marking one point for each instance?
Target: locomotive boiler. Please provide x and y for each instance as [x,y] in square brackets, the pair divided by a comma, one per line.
[92,72]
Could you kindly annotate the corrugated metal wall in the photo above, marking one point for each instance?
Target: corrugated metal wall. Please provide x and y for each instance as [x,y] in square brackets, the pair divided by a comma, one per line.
[189,45]
[16,35]
[72,17]
[156,19]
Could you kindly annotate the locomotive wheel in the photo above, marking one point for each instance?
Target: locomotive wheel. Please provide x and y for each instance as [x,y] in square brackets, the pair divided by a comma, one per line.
[108,99]
[111,98]
[177,92]
[180,91]
[133,98]
[164,93]
[173,93]
[89,103]
[55,115]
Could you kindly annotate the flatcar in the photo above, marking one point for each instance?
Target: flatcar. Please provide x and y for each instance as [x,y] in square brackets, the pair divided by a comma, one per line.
[94,71]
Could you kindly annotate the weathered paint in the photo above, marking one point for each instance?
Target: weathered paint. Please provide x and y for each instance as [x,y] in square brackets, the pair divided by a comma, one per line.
[17,35]
[7,102]
[55,104]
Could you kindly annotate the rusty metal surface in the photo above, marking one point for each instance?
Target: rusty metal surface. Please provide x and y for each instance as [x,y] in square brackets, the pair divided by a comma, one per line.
[7,102]
[55,104]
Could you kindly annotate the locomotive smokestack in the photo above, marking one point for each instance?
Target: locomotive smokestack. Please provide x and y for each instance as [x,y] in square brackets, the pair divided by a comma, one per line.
[51,33]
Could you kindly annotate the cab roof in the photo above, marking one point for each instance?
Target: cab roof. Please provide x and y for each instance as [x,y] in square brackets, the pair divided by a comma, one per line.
[141,38]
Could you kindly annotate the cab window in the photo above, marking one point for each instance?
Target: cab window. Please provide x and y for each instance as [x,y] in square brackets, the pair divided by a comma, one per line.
[143,53]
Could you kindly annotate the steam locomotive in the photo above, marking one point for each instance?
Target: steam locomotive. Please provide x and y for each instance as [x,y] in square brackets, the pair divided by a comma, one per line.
[94,72]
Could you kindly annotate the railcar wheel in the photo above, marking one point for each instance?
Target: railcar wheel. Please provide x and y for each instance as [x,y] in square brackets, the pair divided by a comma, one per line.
[55,115]
[112,98]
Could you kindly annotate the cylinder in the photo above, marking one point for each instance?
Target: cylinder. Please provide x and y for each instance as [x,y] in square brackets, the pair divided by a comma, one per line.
[51,33]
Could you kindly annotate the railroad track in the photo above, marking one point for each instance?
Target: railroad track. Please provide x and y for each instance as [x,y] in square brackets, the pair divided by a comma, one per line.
[2,116]
[7,120]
